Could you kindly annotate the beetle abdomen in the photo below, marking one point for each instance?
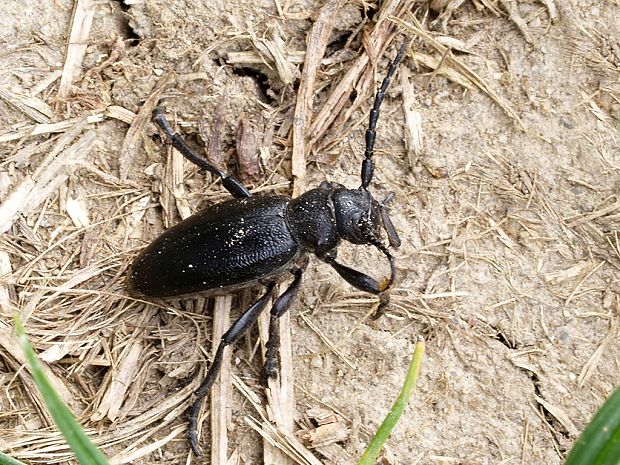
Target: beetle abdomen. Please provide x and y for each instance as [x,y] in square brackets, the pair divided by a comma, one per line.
[228,244]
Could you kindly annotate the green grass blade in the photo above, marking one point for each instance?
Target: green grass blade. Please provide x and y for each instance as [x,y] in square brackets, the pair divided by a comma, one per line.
[6,460]
[599,444]
[85,451]
[383,432]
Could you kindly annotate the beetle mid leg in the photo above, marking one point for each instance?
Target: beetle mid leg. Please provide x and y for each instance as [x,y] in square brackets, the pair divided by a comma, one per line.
[279,307]
[231,184]
[238,328]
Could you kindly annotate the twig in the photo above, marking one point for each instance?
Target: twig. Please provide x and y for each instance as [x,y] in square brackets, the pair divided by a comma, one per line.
[81,23]
[317,42]
[220,392]
[132,142]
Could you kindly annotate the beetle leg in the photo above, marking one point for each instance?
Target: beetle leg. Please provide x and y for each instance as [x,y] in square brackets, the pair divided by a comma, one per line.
[243,323]
[355,278]
[280,306]
[363,282]
[231,184]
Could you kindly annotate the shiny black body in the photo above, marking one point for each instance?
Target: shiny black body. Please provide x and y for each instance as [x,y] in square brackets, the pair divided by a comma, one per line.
[230,244]
[255,239]
[238,242]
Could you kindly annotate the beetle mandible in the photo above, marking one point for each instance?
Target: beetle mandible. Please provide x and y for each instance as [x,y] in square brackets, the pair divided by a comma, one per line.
[256,239]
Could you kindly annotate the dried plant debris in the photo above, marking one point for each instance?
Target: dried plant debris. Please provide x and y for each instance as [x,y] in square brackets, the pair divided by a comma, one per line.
[247,153]
[81,24]
[510,256]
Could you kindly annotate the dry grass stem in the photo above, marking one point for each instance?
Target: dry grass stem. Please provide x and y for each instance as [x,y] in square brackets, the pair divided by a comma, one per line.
[45,82]
[358,77]
[279,391]
[414,26]
[274,434]
[439,68]
[46,179]
[513,13]
[560,415]
[413,120]
[274,50]
[255,58]
[126,372]
[284,441]
[113,111]
[172,196]
[132,142]
[589,369]
[7,290]
[81,22]
[317,41]
[220,393]
[33,107]
[580,282]
[11,345]
[328,342]
[144,451]
[114,401]
[510,265]
[597,213]
[552,9]
[489,5]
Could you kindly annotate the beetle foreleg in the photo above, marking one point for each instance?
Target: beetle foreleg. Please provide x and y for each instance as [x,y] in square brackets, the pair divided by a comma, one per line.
[231,184]
[363,282]
[240,326]
[280,306]
[355,278]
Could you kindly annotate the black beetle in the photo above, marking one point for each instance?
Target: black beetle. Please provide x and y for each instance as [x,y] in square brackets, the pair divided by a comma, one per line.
[249,240]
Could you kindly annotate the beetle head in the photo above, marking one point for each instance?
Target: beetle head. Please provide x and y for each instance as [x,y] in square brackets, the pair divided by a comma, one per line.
[360,218]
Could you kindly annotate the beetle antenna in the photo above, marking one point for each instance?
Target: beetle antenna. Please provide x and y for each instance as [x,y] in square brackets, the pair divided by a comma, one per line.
[231,184]
[371,132]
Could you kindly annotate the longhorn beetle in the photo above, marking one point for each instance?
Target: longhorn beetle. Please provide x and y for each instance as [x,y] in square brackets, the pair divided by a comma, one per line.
[256,239]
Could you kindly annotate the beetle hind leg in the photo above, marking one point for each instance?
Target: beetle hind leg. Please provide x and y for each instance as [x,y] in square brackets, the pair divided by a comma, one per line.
[238,328]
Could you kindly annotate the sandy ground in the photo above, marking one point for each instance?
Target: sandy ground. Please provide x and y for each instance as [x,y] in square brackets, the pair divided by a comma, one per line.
[499,136]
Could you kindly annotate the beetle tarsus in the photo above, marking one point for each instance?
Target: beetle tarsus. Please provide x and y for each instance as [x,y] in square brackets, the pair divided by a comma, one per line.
[271,367]
[384,301]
